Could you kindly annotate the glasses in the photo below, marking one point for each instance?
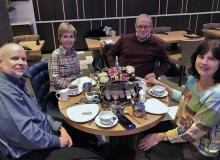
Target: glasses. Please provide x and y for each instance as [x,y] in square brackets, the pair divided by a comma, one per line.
[144,27]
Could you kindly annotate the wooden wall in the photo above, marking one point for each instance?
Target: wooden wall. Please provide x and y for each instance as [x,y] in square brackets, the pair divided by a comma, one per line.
[86,15]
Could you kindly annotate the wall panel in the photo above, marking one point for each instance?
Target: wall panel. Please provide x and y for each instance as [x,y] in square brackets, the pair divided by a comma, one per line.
[87,15]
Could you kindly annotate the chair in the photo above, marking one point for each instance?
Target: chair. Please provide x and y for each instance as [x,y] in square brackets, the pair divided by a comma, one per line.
[100,61]
[183,59]
[32,57]
[210,26]
[161,29]
[40,81]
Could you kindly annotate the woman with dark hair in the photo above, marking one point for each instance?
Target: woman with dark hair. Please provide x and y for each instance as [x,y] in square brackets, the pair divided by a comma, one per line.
[198,116]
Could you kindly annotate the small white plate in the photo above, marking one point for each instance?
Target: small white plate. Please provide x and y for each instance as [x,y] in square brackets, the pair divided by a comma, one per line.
[78,113]
[165,93]
[97,121]
[155,106]
[80,81]
[74,94]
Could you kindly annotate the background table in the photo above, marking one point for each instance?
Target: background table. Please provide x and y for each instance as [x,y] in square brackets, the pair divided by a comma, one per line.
[32,45]
[213,32]
[171,37]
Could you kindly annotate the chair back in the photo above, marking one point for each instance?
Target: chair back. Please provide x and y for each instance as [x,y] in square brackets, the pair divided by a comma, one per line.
[100,61]
[188,47]
[211,25]
[161,29]
[21,38]
[39,77]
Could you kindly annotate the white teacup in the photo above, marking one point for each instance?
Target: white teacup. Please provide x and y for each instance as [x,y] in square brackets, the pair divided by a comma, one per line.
[158,90]
[91,96]
[63,94]
[73,89]
[106,117]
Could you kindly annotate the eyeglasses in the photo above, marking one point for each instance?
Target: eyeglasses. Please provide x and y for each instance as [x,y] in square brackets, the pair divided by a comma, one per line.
[145,27]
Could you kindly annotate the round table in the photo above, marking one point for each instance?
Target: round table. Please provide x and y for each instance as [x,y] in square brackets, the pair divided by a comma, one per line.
[117,130]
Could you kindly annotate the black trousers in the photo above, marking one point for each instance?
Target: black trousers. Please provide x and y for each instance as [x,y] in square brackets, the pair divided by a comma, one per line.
[72,153]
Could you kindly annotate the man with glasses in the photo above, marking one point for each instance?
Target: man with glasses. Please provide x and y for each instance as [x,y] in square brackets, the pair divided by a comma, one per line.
[140,50]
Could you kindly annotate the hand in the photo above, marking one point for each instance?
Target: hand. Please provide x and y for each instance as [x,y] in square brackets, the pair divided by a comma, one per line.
[152,81]
[65,139]
[150,75]
[150,140]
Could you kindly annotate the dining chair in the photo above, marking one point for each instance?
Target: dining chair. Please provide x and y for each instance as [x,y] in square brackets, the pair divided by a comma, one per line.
[32,57]
[38,75]
[161,29]
[210,26]
[182,58]
[100,61]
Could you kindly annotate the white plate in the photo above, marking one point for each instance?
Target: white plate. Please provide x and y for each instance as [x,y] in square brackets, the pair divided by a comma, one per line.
[79,91]
[76,113]
[97,121]
[80,81]
[165,93]
[155,106]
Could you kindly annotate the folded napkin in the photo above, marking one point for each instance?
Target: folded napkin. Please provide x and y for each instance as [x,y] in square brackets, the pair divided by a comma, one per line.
[172,111]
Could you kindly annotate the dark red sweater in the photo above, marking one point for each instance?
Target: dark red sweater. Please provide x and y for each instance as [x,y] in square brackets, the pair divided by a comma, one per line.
[141,55]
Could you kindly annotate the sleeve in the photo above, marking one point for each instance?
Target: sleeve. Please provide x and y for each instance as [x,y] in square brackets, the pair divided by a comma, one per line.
[55,72]
[21,130]
[205,119]
[112,52]
[164,61]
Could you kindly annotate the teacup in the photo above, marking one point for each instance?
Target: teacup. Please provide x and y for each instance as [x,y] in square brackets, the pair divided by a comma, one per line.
[158,90]
[63,94]
[106,117]
[73,89]
[91,96]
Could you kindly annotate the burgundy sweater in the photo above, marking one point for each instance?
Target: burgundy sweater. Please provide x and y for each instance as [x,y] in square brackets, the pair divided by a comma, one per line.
[141,55]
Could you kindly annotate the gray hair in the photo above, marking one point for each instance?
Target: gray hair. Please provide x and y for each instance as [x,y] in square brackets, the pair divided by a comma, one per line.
[144,15]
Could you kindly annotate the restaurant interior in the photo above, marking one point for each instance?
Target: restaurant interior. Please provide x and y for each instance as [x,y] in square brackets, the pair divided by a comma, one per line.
[180,26]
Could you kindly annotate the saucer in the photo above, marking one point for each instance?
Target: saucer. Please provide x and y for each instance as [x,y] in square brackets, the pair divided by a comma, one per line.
[91,102]
[97,121]
[77,93]
[165,93]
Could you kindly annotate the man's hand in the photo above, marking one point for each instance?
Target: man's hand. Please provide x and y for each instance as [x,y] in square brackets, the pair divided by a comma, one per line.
[150,75]
[65,139]
[150,140]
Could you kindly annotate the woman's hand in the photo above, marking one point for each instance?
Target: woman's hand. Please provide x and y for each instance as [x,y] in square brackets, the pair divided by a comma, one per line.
[65,139]
[150,140]
[152,81]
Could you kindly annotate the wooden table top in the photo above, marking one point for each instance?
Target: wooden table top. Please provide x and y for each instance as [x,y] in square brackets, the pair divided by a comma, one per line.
[33,46]
[171,37]
[91,127]
[94,45]
[213,32]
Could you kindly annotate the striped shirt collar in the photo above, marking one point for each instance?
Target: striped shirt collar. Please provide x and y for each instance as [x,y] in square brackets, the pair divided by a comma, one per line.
[64,51]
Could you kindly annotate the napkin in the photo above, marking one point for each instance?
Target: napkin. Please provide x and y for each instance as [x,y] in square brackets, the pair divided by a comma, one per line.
[172,111]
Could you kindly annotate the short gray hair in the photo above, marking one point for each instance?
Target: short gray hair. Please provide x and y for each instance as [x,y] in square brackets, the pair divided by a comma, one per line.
[144,15]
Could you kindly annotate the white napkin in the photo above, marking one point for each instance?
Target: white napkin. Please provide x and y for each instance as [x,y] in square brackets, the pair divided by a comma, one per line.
[172,111]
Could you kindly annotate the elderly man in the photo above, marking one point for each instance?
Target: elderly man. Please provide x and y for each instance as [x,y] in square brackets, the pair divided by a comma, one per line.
[140,50]
[25,132]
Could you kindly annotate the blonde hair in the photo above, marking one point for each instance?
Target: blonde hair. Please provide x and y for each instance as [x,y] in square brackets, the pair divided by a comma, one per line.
[10,48]
[66,27]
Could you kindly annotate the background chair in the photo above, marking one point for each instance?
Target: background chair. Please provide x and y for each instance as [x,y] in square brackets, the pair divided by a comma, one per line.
[210,26]
[100,60]
[183,58]
[161,29]
[39,77]
[32,56]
